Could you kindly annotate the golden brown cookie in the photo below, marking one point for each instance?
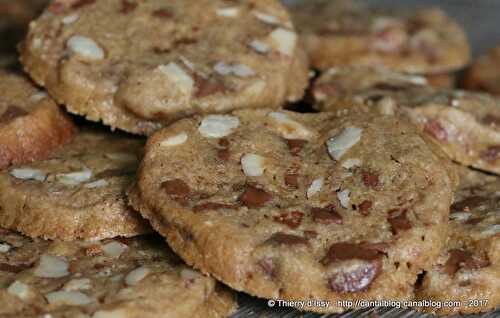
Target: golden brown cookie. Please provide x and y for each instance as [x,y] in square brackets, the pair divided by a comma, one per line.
[346,32]
[139,65]
[465,124]
[299,206]
[31,124]
[76,193]
[484,73]
[467,274]
[126,278]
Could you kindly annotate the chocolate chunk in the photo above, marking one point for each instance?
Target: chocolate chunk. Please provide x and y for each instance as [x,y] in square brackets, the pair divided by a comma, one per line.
[463,259]
[11,113]
[292,180]
[81,3]
[381,247]
[4,267]
[370,179]
[399,221]
[393,87]
[110,173]
[177,189]
[355,278]
[207,87]
[326,215]
[349,251]
[434,128]
[291,219]
[267,266]
[365,207]
[213,206]
[467,204]
[163,14]
[281,238]
[254,197]
[492,153]
[128,6]
[295,145]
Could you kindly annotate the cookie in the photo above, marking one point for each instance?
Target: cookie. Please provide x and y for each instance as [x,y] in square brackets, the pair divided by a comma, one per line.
[126,278]
[468,269]
[443,80]
[343,32]
[465,124]
[139,65]
[484,74]
[31,124]
[77,193]
[294,206]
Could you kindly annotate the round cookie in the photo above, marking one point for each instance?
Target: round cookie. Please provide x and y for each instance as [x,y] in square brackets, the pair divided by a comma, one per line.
[468,269]
[127,278]
[484,74]
[344,32]
[465,124]
[139,65]
[77,193]
[31,125]
[294,206]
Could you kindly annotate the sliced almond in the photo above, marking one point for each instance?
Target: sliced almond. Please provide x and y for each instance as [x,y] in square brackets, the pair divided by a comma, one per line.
[218,126]
[176,140]
[85,47]
[51,266]
[253,165]
[289,128]
[341,143]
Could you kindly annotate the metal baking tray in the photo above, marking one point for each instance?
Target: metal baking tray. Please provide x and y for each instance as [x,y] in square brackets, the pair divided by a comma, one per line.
[480,19]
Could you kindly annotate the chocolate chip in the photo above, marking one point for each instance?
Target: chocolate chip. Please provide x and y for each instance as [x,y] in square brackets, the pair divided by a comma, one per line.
[295,145]
[370,179]
[399,221]
[267,266]
[492,153]
[213,206]
[81,3]
[163,14]
[436,130]
[177,189]
[467,204]
[292,180]
[326,215]
[462,259]
[128,6]
[11,113]
[365,207]
[348,251]
[355,278]
[281,238]
[292,219]
[254,197]
[4,267]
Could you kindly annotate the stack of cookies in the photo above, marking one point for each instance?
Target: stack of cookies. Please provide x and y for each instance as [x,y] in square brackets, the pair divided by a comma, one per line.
[151,165]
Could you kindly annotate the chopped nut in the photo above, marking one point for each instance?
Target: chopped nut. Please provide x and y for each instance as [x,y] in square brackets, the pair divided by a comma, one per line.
[253,165]
[135,276]
[176,140]
[218,126]
[315,187]
[52,266]
[85,48]
[341,143]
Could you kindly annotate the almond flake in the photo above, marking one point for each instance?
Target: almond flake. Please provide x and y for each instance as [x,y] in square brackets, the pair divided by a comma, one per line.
[175,140]
[341,143]
[228,12]
[289,128]
[218,126]
[78,284]
[135,276]
[70,298]
[85,48]
[253,165]
[101,183]
[260,47]
[315,187]
[114,249]
[179,77]
[28,174]
[4,247]
[351,163]
[19,289]
[52,266]
[70,19]
[284,41]
[344,199]
[240,70]
[74,178]
[266,18]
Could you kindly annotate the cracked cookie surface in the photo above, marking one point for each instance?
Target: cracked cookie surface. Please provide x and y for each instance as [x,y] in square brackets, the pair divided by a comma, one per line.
[139,65]
[298,206]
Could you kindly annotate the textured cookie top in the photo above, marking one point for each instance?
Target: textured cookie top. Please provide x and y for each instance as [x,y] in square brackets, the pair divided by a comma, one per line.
[484,74]
[465,124]
[329,204]
[469,266]
[140,64]
[125,278]
[342,32]
[78,192]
